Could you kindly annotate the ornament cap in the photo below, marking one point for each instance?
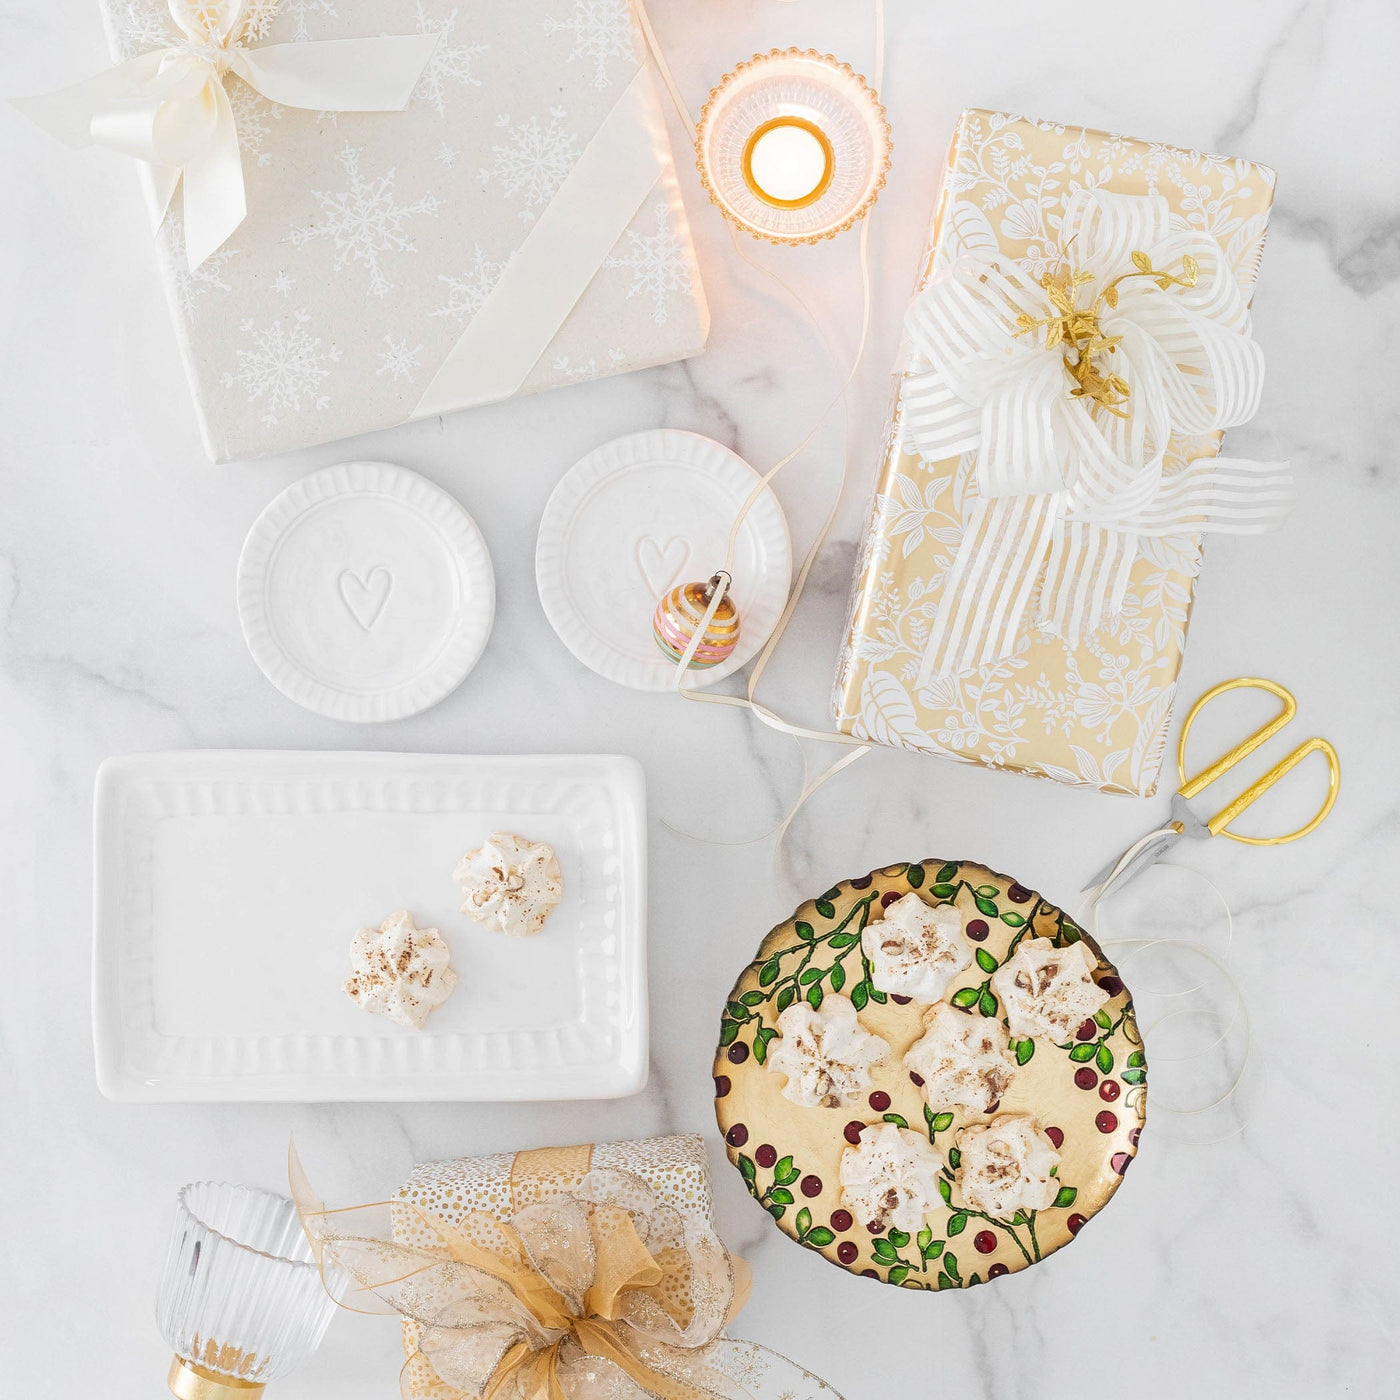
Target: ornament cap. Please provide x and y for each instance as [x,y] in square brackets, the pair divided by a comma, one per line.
[188,1380]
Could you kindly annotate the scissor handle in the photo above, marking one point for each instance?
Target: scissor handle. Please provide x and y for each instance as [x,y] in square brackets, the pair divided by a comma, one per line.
[1220,823]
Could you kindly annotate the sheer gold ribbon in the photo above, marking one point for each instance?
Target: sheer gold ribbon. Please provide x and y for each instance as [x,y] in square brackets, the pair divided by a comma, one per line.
[601,1292]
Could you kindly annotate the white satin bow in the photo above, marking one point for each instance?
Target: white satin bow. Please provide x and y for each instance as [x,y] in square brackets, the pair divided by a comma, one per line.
[169,107]
[1069,390]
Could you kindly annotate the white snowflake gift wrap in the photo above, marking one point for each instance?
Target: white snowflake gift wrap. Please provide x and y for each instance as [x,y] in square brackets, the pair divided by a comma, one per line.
[389,265]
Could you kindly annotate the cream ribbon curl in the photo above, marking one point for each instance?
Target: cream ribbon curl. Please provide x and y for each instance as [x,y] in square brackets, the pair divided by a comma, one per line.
[1069,390]
[169,107]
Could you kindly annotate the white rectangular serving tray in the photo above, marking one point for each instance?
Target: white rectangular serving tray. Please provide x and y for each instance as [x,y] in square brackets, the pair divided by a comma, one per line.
[229,885]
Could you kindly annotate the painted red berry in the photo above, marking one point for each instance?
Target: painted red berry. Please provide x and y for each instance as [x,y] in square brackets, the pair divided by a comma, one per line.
[841,1221]
[853,1131]
[847,1252]
[738,1052]
[1057,1136]
[984,1242]
[1076,1223]
[1111,984]
[1134,1136]
[1018,894]
[1109,1090]
[722,1085]
[869,1273]
[1085,1077]
[1086,1030]
[1106,1122]
[811,1186]
[889,898]
[864,883]
[766,1155]
[879,1101]
[874,1227]
[899,1000]
[916,1079]
[977,929]
[997,1270]
[1121,1161]
[737,1136]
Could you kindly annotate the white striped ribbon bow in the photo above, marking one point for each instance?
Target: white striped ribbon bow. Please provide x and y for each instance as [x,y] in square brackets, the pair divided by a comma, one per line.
[1069,390]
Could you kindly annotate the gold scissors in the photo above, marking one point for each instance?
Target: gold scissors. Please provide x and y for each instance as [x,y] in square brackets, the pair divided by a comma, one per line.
[1186,823]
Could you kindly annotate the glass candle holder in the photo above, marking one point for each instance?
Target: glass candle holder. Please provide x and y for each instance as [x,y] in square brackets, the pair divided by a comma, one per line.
[241,1300]
[793,146]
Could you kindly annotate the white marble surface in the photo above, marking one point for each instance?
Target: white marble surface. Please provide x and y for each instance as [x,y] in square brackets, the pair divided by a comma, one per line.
[1261,1265]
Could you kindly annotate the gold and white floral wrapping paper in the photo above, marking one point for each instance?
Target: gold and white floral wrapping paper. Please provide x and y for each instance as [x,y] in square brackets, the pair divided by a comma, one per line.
[1094,715]
[372,239]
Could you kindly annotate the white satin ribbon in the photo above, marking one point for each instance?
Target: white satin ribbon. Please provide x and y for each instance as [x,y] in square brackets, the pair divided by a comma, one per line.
[1065,487]
[169,107]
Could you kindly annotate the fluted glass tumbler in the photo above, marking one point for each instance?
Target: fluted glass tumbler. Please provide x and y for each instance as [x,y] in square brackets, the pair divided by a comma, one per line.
[241,1301]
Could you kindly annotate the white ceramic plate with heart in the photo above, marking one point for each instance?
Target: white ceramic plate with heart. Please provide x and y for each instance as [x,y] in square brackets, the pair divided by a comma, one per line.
[633,519]
[365,592]
[229,886]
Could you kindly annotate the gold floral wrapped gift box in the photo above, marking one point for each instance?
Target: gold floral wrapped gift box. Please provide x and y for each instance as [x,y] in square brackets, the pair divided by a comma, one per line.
[517,226]
[1002,615]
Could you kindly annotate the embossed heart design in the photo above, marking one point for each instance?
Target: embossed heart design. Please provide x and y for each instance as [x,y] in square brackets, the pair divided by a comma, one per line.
[365,595]
[660,564]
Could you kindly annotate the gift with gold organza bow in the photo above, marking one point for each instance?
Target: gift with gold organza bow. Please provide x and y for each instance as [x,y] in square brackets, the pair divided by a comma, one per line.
[582,1273]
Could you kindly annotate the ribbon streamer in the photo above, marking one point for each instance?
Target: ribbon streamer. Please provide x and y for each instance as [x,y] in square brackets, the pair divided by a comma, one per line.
[602,1292]
[169,107]
[1071,390]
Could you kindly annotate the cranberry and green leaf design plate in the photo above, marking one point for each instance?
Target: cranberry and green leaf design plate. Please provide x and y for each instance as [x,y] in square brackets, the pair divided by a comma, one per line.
[1089,1096]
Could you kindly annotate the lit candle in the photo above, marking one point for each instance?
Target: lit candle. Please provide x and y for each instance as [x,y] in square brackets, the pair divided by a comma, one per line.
[793,146]
[789,162]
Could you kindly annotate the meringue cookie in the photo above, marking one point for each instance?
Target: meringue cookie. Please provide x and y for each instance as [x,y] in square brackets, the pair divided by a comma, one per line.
[399,971]
[1006,1166]
[891,1178]
[825,1054]
[964,1060]
[510,884]
[916,949]
[1048,991]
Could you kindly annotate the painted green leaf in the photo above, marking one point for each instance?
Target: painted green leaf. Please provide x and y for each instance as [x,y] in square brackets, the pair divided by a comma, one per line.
[814,998]
[860,994]
[897,1120]
[1102,1019]
[777,1212]
[884,1251]
[833,893]
[786,997]
[812,974]
[899,1273]
[947,872]
[877,995]
[760,1050]
[1137,1059]
[820,1236]
[945,1282]
[924,1239]
[987,1003]
[950,1263]
[931,1251]
[1012,919]
[944,891]
[1082,1053]
[804,1220]
[1065,1197]
[752,998]
[746,1168]
[781,1196]
[844,940]
[954,1158]
[768,973]
[1104,1059]
[1020,1218]
[1134,1076]
[957,1223]
[945,1190]
[898,1239]
[942,1122]
[986,961]
[728,1030]
[1024,1050]
[838,977]
[826,909]
[987,891]
[804,931]
[736,1010]
[986,906]
[915,876]
[965,998]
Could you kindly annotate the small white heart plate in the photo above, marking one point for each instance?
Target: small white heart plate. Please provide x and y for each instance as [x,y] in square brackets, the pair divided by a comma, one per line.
[633,519]
[365,592]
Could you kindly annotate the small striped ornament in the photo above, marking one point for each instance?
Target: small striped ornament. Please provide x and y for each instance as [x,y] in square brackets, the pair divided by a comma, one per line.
[680,612]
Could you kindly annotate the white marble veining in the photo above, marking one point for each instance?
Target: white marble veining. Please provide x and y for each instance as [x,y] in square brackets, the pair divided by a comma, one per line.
[1256,1266]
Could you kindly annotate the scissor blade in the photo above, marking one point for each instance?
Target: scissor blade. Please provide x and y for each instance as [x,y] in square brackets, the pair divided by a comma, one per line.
[1191,824]
[1147,851]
